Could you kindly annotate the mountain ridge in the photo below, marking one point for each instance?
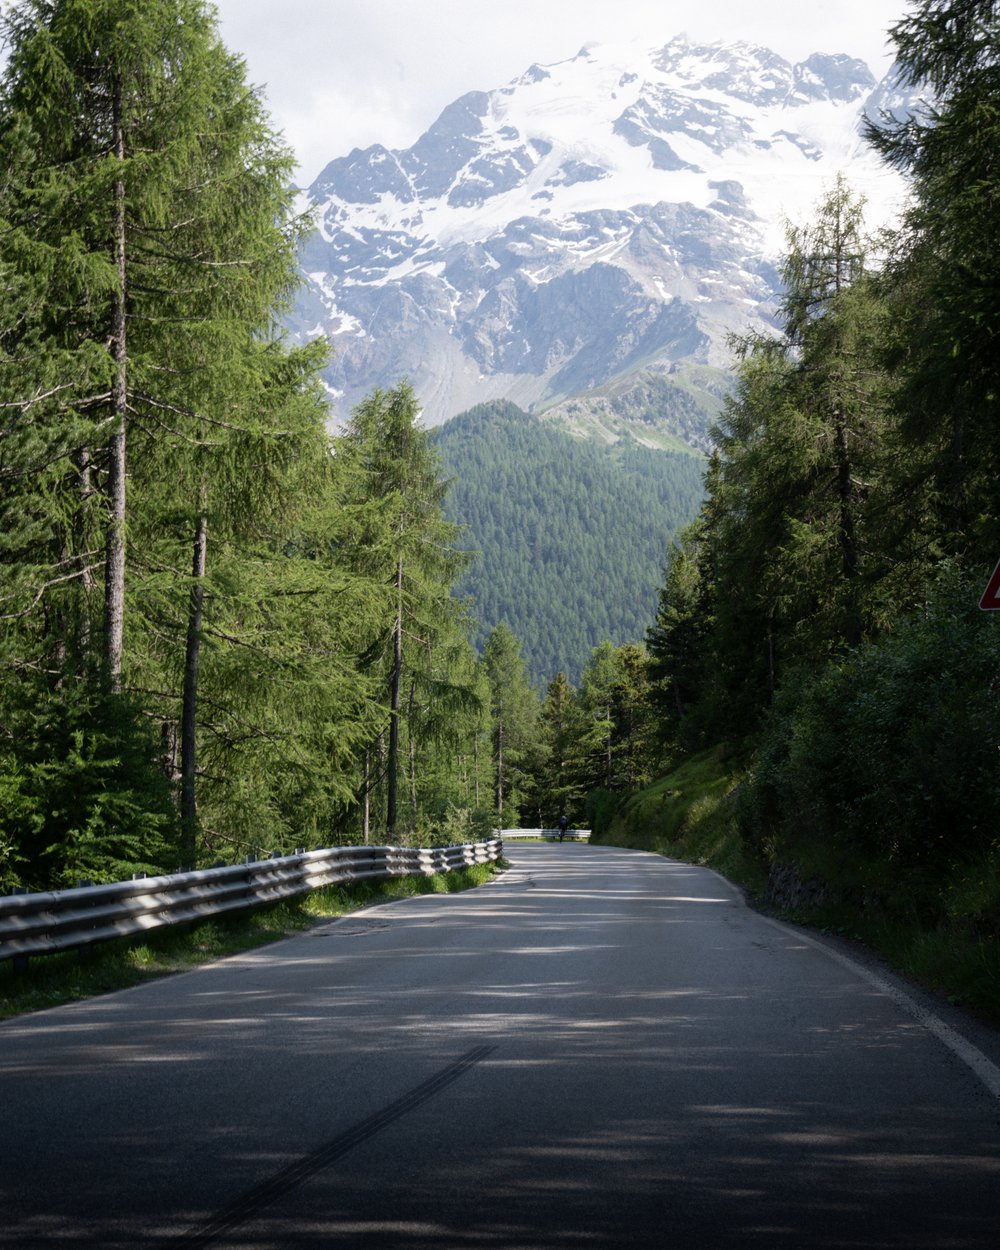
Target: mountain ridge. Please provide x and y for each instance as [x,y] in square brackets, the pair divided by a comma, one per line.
[600,218]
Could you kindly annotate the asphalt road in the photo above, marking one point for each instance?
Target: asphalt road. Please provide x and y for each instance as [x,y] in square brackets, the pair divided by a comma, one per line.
[599,1049]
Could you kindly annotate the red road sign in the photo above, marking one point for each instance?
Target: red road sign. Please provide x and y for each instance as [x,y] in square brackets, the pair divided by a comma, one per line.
[990,601]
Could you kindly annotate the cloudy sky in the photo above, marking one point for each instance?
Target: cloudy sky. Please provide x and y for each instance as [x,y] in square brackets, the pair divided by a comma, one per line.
[339,74]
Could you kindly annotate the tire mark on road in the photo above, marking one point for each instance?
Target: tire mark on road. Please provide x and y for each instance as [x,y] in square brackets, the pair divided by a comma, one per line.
[254,1200]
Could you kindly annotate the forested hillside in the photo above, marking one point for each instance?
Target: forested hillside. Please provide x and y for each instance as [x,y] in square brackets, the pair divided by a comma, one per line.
[572,534]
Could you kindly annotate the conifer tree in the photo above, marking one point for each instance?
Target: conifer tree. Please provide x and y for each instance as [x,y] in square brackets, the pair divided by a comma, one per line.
[147,251]
[514,707]
[600,677]
[944,274]
[632,714]
[802,538]
[142,209]
[560,785]
[402,539]
[676,639]
[802,448]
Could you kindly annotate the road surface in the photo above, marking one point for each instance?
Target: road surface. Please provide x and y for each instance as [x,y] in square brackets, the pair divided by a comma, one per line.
[601,1048]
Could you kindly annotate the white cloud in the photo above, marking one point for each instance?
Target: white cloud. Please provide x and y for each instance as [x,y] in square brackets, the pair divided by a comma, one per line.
[339,74]
[348,73]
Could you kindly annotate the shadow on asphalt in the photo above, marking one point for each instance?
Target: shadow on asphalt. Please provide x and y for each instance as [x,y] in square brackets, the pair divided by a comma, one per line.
[663,1069]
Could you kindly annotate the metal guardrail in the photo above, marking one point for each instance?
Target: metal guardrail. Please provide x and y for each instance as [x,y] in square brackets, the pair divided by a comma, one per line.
[58,920]
[548,835]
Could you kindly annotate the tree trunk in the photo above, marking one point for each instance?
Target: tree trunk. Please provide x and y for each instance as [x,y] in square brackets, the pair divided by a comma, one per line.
[394,685]
[189,709]
[500,768]
[366,798]
[114,577]
[412,746]
[85,487]
[678,697]
[847,536]
[957,474]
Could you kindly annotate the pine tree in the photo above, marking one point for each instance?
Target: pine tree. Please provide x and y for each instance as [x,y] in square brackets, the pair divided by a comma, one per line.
[944,274]
[147,249]
[402,538]
[514,708]
[560,785]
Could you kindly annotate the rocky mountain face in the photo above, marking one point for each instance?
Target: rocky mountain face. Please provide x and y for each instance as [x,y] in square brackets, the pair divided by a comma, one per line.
[583,240]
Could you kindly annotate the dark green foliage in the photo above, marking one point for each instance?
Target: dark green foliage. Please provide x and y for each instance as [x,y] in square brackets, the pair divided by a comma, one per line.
[514,710]
[572,535]
[945,269]
[804,542]
[86,796]
[822,610]
[179,561]
[595,745]
[418,653]
[881,773]
[680,672]
[600,809]
[559,784]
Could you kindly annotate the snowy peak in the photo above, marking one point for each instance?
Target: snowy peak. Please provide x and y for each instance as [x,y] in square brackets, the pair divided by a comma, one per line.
[760,78]
[561,126]
[614,211]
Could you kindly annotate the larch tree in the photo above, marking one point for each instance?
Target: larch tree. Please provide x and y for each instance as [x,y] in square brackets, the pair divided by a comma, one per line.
[147,250]
[514,708]
[402,539]
[597,685]
[943,275]
[560,784]
[801,448]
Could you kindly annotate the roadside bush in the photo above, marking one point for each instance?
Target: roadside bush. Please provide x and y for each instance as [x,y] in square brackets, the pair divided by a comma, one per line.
[882,771]
[85,796]
[600,807]
[454,826]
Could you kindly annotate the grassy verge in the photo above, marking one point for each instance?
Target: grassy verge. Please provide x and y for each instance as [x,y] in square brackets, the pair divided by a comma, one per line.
[689,815]
[948,959]
[53,979]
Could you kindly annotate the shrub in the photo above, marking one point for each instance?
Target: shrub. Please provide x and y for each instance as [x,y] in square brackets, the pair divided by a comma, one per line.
[882,770]
[86,795]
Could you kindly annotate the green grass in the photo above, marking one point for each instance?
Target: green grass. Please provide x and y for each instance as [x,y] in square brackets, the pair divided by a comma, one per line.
[689,815]
[948,958]
[53,979]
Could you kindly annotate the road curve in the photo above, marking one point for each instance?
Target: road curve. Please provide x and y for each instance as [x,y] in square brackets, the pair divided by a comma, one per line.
[600,1049]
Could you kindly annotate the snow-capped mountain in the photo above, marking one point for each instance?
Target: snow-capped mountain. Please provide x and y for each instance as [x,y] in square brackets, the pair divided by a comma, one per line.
[592,221]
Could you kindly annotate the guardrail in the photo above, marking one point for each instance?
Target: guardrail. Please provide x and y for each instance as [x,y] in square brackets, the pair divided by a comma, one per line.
[549,835]
[58,920]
